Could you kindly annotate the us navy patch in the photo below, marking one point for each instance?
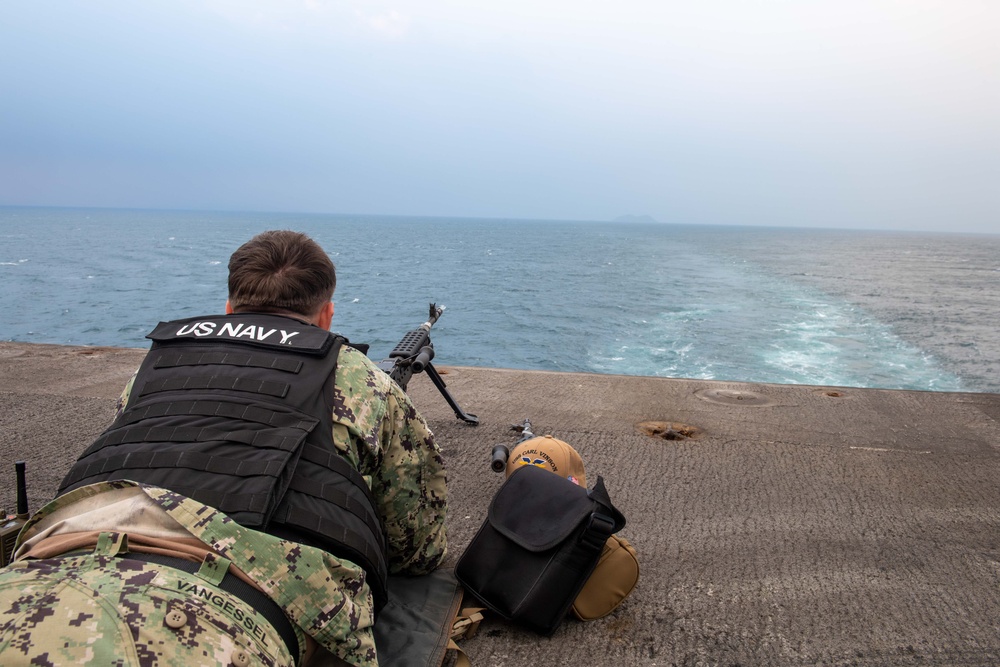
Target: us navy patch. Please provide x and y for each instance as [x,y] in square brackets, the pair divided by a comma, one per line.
[281,333]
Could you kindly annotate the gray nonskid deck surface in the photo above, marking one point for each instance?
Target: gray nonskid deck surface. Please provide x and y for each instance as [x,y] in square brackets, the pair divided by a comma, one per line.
[799,526]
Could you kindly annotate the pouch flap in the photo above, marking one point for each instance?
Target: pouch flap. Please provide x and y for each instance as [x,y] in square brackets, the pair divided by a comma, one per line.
[538,509]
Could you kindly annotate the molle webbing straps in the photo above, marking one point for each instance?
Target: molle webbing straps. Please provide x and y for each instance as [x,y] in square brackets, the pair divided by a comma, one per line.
[224,382]
[186,459]
[240,359]
[336,462]
[283,439]
[254,413]
[331,494]
[208,408]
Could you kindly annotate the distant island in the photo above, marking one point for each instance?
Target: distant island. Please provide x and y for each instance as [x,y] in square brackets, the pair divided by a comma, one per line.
[635,218]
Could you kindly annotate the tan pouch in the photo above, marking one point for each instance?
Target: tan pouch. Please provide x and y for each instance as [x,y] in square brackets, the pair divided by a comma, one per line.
[615,576]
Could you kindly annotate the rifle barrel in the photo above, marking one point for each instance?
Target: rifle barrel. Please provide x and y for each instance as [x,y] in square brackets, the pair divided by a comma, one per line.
[433,315]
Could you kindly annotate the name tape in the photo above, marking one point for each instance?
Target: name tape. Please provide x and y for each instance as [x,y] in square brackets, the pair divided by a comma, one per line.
[241,616]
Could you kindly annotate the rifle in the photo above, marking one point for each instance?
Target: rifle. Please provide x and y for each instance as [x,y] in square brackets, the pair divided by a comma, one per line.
[12,523]
[413,354]
[500,453]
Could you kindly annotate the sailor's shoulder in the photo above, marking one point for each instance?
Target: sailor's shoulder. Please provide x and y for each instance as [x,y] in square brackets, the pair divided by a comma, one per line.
[357,371]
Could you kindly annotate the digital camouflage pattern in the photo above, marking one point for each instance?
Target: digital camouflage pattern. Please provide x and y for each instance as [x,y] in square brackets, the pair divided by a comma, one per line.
[324,597]
[97,609]
[376,428]
[392,446]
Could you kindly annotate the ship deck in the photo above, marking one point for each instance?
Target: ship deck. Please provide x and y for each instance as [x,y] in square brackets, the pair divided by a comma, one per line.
[795,525]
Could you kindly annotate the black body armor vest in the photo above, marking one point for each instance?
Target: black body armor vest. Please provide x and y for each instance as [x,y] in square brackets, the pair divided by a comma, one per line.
[235,411]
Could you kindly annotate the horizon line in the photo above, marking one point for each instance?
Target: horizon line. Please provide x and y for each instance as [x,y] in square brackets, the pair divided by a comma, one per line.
[652,220]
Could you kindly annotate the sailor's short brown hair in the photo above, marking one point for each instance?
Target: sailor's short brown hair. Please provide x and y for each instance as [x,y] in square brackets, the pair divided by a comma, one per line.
[280,271]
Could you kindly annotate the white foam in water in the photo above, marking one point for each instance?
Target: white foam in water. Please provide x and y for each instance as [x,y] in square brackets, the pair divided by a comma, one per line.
[775,331]
[740,304]
[845,346]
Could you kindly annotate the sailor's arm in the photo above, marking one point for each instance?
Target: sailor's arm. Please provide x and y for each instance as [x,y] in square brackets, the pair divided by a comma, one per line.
[410,487]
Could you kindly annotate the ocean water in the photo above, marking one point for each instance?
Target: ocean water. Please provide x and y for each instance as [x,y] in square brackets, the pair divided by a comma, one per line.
[793,306]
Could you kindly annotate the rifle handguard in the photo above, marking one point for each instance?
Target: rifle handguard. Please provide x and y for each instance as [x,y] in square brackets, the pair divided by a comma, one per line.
[411,344]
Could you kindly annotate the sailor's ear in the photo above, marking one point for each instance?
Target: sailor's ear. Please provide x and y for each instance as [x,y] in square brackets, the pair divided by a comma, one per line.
[229,308]
[325,316]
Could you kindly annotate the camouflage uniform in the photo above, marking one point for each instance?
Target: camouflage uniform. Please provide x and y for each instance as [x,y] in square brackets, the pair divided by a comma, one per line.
[94,608]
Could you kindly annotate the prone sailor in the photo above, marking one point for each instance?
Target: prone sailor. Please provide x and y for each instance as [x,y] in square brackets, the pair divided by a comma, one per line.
[261,480]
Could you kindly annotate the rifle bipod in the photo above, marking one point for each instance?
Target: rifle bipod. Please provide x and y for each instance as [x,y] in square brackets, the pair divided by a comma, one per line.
[467,417]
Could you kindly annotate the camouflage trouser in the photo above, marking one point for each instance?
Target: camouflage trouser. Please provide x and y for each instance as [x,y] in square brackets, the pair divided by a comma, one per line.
[99,609]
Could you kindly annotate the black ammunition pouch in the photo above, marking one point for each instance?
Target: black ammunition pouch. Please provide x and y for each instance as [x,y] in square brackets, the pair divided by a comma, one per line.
[235,412]
[539,544]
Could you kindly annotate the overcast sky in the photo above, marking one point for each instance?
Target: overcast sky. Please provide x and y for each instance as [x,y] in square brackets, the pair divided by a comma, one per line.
[833,113]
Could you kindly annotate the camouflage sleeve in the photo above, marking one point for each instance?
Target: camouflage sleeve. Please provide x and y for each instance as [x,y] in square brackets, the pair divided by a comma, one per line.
[380,432]
[410,486]
[126,392]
